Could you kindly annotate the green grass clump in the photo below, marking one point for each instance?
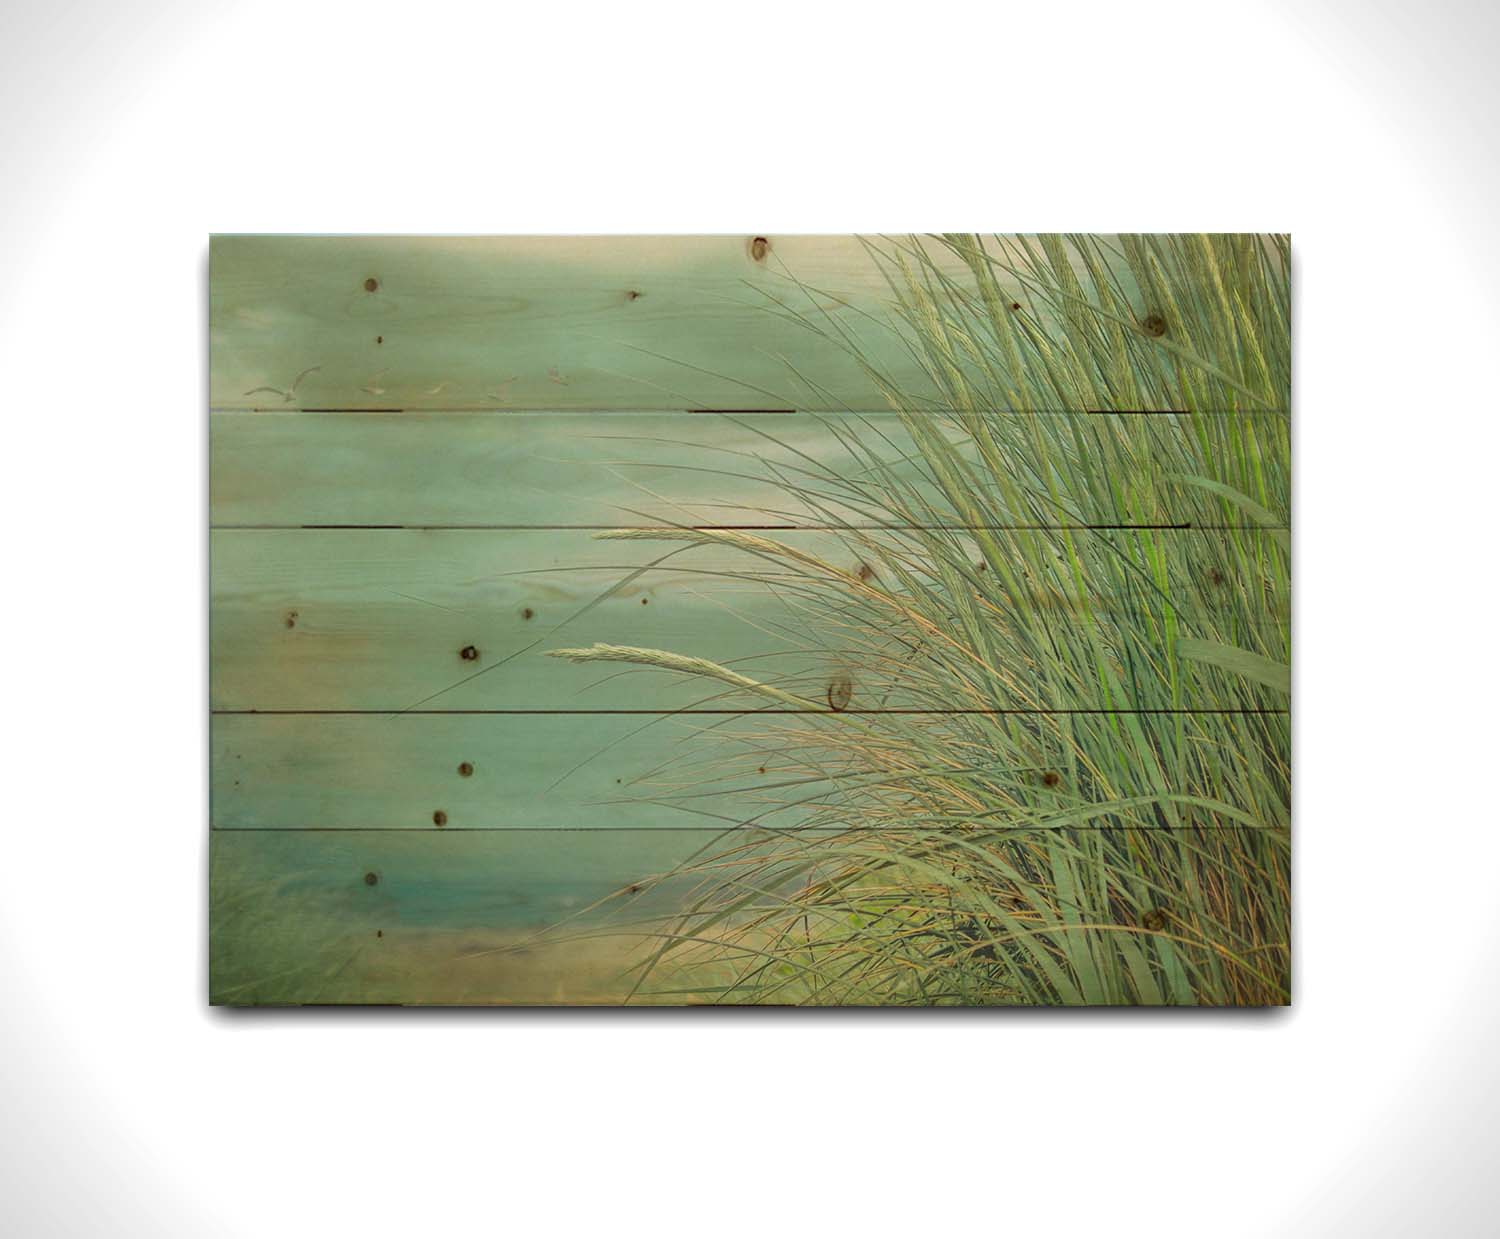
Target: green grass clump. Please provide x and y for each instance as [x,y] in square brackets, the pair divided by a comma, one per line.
[1084,619]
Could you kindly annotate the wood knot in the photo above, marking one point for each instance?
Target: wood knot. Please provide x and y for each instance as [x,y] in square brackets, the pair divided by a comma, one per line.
[439,818]
[466,768]
[1154,325]
[371,284]
[1154,919]
[759,248]
[371,878]
[840,690]
[468,653]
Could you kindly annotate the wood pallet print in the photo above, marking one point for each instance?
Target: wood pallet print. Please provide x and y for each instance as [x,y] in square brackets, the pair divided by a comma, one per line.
[753,620]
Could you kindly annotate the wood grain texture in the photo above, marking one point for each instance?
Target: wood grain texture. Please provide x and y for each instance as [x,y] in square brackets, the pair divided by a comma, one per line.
[391,620]
[536,322]
[555,469]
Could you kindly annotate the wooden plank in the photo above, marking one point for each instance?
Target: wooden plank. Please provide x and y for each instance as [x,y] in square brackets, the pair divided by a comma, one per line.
[390,620]
[559,469]
[561,322]
[602,771]
[460,917]
[536,322]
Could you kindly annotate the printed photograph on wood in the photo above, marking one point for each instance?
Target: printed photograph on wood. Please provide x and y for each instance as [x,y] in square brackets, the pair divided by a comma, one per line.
[839,621]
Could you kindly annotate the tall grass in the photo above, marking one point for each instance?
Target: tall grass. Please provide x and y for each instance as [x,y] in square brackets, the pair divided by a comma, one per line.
[1084,619]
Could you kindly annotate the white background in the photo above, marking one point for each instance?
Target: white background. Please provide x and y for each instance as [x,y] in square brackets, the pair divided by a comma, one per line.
[129,131]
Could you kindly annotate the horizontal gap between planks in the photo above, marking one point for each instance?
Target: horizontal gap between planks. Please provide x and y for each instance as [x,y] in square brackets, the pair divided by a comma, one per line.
[1090,710]
[770,830]
[1183,526]
[834,414]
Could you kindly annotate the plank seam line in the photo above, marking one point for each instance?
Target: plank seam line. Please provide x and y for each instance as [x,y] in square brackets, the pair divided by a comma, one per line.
[1181,527]
[615,830]
[647,411]
[1246,710]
